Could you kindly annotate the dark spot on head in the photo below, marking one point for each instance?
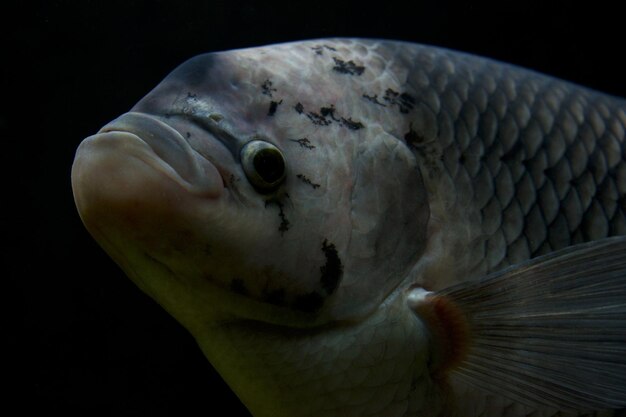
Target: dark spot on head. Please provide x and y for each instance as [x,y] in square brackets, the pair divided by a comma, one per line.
[319,49]
[276,297]
[332,269]
[188,135]
[284,223]
[308,181]
[329,112]
[351,124]
[273,106]
[374,99]
[267,89]
[299,108]
[349,67]
[318,119]
[462,159]
[413,138]
[272,109]
[304,142]
[308,303]
[404,101]
[238,286]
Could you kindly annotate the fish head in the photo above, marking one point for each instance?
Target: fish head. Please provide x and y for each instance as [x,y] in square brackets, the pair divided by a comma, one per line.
[259,184]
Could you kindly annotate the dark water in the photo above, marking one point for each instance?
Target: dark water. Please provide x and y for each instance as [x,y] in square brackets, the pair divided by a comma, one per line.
[82,340]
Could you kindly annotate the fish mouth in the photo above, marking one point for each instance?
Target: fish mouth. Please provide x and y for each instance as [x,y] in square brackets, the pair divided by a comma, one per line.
[174,155]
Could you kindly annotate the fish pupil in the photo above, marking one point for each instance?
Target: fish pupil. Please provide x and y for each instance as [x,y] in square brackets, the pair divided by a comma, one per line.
[269,164]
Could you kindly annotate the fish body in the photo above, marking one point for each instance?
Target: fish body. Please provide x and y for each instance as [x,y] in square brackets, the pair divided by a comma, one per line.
[318,214]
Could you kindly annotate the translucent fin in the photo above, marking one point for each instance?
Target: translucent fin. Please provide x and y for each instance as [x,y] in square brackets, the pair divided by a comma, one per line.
[550,331]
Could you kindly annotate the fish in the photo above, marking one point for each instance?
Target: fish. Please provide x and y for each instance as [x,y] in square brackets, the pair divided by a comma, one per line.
[363,227]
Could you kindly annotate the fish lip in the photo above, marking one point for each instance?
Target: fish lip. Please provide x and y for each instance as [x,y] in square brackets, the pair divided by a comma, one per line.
[175,156]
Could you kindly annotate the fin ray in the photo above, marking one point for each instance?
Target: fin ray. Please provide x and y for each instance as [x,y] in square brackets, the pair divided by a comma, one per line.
[552,330]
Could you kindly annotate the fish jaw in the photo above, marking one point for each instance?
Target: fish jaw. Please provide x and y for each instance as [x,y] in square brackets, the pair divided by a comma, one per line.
[123,189]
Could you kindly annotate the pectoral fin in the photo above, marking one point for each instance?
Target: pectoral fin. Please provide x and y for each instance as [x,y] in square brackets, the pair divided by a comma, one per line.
[550,331]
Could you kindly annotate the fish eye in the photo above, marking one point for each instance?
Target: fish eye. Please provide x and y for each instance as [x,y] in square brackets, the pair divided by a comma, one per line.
[264,165]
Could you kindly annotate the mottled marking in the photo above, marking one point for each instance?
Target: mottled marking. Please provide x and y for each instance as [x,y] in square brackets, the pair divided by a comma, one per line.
[318,119]
[238,286]
[304,142]
[430,152]
[349,67]
[332,269]
[267,88]
[404,101]
[374,99]
[412,138]
[273,107]
[351,124]
[284,223]
[329,111]
[318,49]
[308,303]
[308,181]
[327,115]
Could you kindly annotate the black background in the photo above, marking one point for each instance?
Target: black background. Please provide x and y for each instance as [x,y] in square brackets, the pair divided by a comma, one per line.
[79,337]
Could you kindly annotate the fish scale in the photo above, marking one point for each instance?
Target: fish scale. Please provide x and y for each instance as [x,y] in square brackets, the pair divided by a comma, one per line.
[540,153]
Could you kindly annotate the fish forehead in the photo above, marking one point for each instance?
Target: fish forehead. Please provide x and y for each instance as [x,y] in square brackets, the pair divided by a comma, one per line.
[342,84]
